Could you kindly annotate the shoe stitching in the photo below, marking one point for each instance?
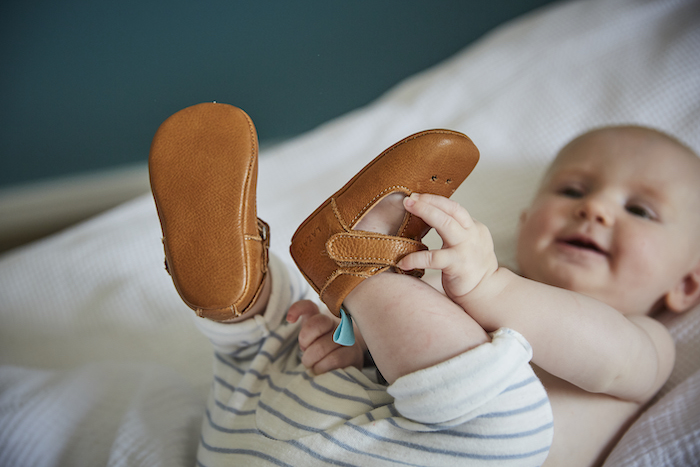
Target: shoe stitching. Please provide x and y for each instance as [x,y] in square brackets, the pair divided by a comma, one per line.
[341,257]
[373,200]
[338,272]
[339,218]
[254,146]
[251,165]
[336,213]
[398,145]
[406,223]
[387,151]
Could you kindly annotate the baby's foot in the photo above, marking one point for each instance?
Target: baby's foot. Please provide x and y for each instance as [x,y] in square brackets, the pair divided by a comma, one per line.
[386,217]
[334,260]
[203,170]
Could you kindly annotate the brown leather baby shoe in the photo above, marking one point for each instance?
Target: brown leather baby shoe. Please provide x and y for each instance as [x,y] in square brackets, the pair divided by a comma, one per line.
[203,168]
[333,257]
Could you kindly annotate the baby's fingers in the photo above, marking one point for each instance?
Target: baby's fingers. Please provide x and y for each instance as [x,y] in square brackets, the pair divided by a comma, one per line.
[325,355]
[314,328]
[427,259]
[447,217]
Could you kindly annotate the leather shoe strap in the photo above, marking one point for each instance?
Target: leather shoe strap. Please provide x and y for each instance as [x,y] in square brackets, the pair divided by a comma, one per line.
[360,255]
[359,248]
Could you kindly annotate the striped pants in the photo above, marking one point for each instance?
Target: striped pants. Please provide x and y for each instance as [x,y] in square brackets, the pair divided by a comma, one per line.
[483,408]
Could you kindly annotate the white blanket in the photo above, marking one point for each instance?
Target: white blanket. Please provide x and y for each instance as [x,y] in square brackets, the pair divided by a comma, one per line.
[101,364]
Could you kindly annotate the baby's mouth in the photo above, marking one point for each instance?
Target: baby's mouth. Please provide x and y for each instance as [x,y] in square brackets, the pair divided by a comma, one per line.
[584,243]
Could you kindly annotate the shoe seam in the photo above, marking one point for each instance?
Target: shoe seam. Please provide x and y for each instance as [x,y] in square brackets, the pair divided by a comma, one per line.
[336,256]
[379,195]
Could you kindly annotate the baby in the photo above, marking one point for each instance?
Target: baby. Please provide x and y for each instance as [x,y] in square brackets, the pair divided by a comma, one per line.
[459,395]
[611,238]
[461,390]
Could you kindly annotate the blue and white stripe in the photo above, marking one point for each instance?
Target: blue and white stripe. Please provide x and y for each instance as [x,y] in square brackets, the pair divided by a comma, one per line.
[265,408]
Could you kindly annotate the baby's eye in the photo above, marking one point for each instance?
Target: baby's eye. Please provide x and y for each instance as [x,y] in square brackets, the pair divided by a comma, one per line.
[640,211]
[571,192]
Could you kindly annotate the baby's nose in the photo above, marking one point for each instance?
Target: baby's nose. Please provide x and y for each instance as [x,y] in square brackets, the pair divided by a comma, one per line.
[595,210]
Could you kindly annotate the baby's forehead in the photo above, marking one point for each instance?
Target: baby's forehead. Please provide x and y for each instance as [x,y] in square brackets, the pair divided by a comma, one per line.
[628,146]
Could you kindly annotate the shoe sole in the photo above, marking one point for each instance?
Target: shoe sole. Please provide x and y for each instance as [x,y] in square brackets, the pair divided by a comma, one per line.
[203,173]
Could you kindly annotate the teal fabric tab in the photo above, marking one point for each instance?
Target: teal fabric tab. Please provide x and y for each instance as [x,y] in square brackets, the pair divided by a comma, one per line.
[344,333]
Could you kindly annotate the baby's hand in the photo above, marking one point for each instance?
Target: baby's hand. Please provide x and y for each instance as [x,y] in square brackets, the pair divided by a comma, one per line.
[321,354]
[466,257]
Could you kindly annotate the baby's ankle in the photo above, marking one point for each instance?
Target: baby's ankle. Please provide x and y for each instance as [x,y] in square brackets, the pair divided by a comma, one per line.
[260,304]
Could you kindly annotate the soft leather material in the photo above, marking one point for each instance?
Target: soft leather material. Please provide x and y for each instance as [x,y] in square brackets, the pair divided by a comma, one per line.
[358,247]
[203,168]
[333,258]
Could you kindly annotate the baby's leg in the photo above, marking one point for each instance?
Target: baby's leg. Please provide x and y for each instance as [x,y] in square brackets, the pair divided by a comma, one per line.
[360,232]
[407,324]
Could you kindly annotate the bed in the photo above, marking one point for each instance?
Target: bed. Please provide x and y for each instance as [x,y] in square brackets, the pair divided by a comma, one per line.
[100,361]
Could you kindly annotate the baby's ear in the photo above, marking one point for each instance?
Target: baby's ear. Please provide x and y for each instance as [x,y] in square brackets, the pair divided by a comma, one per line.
[686,293]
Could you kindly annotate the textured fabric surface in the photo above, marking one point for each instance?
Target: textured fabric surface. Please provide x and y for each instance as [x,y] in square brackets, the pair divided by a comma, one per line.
[93,305]
[667,433]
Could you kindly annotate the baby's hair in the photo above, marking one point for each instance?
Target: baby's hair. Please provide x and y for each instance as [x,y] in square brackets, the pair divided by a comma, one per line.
[640,128]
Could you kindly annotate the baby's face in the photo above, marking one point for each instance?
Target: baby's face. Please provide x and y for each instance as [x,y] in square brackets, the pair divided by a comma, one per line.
[616,218]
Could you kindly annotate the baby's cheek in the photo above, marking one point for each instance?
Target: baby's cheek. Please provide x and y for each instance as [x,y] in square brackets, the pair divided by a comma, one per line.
[646,270]
[644,253]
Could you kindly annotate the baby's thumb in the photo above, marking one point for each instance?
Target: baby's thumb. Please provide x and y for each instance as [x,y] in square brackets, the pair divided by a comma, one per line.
[416,260]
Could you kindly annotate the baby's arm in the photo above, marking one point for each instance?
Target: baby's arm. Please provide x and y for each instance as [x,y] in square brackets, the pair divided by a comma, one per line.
[321,354]
[574,337]
[578,338]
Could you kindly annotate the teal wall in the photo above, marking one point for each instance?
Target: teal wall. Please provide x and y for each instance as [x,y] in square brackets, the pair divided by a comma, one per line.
[85,83]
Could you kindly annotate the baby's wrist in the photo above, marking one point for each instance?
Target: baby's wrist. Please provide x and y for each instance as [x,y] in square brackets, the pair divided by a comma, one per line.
[485,293]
